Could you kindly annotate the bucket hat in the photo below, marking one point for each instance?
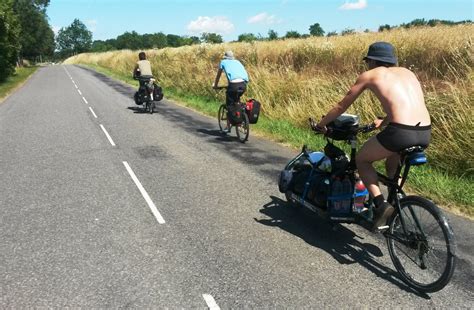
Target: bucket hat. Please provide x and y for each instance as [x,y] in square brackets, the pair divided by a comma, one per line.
[228,55]
[382,51]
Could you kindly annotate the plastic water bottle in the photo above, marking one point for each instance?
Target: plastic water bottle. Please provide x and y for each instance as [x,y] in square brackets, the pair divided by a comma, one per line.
[336,190]
[361,196]
[347,190]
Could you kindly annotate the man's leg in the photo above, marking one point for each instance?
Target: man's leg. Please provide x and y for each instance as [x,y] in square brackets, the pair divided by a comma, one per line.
[391,165]
[370,152]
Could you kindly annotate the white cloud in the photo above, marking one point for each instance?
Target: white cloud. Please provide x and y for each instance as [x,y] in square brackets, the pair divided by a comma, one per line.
[359,5]
[216,24]
[263,18]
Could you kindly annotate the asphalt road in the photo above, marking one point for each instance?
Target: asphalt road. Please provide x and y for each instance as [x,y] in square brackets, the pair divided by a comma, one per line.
[102,206]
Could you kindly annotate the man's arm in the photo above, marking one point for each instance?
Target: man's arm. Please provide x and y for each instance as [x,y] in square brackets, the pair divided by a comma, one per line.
[218,76]
[353,93]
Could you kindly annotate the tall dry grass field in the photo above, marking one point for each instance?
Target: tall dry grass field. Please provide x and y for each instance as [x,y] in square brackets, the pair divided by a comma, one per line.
[295,79]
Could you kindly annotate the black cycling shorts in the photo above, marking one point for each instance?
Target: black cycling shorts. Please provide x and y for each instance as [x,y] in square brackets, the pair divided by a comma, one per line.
[397,137]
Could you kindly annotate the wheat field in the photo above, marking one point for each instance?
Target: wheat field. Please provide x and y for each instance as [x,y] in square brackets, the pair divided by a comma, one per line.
[298,78]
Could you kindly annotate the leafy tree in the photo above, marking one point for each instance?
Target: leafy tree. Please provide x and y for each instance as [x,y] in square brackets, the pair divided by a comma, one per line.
[190,40]
[272,35]
[247,37]
[331,34]
[129,40]
[211,38]
[316,30]
[293,34]
[384,27]
[9,32]
[101,46]
[74,39]
[347,31]
[36,36]
[173,40]
[160,40]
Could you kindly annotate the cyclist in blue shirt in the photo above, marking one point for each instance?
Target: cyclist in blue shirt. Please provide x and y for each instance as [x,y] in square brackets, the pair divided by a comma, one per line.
[236,76]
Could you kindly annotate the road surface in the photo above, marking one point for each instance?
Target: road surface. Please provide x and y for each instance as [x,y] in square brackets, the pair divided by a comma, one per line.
[103,206]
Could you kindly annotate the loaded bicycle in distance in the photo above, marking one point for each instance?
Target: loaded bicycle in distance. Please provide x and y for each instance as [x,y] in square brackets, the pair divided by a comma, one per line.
[238,115]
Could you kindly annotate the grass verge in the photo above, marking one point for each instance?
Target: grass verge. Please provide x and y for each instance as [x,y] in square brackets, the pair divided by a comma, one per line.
[455,193]
[16,80]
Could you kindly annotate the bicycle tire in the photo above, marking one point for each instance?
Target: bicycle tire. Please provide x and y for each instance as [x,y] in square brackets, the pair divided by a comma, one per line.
[152,107]
[222,119]
[415,211]
[244,135]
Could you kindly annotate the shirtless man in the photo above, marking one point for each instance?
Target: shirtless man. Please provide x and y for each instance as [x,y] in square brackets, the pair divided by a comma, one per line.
[407,122]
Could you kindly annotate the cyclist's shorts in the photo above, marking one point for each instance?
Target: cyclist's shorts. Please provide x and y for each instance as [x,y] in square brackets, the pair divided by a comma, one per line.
[397,137]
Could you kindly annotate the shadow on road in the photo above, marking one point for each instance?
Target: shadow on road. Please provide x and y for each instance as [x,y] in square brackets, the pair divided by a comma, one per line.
[342,243]
[139,110]
[263,161]
[121,88]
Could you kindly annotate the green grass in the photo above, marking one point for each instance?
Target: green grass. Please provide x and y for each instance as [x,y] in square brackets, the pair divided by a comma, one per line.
[14,81]
[452,192]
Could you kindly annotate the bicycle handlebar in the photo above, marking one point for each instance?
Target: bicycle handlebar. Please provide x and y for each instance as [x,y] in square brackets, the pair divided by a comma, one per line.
[319,130]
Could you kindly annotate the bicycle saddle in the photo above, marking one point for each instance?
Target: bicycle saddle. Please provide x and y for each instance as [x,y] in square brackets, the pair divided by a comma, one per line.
[414,156]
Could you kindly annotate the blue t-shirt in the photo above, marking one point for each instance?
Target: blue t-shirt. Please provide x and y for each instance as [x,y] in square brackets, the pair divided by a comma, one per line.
[234,70]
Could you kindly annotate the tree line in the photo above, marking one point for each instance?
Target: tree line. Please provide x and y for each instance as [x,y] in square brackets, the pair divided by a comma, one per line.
[24,34]
[133,40]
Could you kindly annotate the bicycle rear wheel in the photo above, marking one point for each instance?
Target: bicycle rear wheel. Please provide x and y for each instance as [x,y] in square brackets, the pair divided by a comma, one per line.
[243,129]
[423,254]
[224,124]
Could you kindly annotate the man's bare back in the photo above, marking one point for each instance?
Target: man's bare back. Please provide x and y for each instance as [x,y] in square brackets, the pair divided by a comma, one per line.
[400,94]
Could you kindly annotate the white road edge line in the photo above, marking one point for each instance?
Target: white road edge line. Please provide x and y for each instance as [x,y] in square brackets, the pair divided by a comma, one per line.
[107,134]
[79,91]
[211,303]
[85,100]
[92,111]
[76,86]
[145,195]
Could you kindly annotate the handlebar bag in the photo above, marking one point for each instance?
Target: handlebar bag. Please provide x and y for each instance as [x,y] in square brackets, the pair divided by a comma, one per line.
[343,127]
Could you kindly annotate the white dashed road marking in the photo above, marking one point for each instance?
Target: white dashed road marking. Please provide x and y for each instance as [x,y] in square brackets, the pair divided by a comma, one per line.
[92,111]
[211,303]
[85,100]
[145,195]
[107,135]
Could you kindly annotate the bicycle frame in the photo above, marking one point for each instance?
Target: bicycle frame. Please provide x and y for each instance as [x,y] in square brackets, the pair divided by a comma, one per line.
[394,188]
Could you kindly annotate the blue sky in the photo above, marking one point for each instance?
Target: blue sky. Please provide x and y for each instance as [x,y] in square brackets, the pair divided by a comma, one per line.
[110,18]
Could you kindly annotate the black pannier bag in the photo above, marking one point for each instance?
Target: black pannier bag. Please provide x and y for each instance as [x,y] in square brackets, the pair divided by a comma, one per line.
[140,96]
[234,113]
[339,160]
[157,93]
[252,108]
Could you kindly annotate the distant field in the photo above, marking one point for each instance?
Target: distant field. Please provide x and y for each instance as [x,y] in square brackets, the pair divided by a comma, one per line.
[295,79]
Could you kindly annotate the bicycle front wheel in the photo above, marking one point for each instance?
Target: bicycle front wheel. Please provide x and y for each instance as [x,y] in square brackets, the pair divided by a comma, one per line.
[421,244]
[224,125]
[243,129]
